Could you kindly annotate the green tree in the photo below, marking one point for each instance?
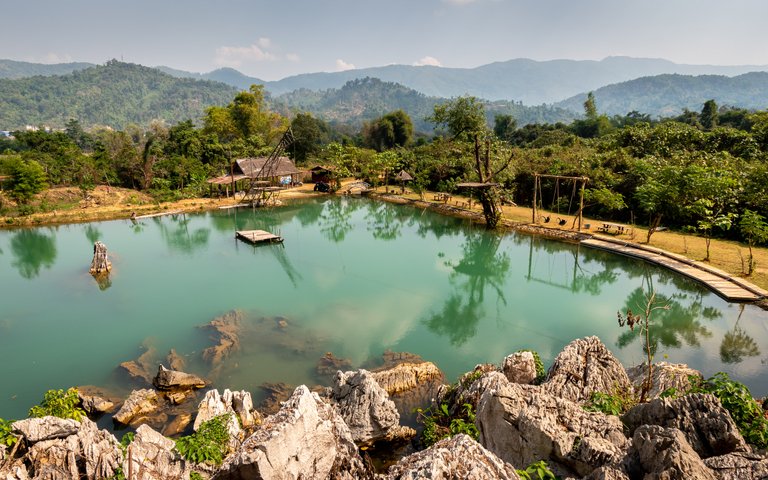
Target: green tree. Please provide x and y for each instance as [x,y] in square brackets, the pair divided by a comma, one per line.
[590,106]
[709,115]
[755,230]
[504,127]
[308,136]
[27,179]
[394,129]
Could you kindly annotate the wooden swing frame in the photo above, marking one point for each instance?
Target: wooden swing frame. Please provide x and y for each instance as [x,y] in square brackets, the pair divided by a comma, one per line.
[537,194]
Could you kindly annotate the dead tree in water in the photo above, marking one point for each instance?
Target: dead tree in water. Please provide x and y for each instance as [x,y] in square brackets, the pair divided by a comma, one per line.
[100,266]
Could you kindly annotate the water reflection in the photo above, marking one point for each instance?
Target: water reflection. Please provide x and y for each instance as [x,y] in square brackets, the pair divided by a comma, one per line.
[482,267]
[92,233]
[385,221]
[177,234]
[679,324]
[33,250]
[737,344]
[335,218]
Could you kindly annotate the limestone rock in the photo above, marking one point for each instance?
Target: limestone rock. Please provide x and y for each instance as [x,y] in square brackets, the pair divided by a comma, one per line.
[140,402]
[226,334]
[364,406]
[520,367]
[583,367]
[95,400]
[665,375]
[739,466]
[142,367]
[45,428]
[523,424]
[607,473]
[237,402]
[173,380]
[306,439]
[89,453]
[329,364]
[177,426]
[664,453]
[275,395]
[470,388]
[151,456]
[407,376]
[707,426]
[455,458]
[392,359]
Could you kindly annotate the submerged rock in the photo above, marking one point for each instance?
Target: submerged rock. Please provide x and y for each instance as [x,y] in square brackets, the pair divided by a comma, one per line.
[583,367]
[455,458]
[175,361]
[276,393]
[140,402]
[364,406]
[707,426]
[95,400]
[175,380]
[143,367]
[407,376]
[306,439]
[226,334]
[329,364]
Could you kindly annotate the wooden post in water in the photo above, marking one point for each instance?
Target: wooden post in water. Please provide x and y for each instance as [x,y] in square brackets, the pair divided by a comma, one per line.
[100,265]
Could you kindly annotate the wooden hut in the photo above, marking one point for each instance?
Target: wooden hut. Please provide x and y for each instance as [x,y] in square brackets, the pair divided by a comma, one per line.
[245,171]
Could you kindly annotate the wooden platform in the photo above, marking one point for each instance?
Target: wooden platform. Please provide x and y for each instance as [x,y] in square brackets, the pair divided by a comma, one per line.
[152,215]
[258,236]
[732,289]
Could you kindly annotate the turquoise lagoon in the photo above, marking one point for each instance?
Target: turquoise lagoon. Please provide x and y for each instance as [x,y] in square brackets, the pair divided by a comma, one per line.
[355,278]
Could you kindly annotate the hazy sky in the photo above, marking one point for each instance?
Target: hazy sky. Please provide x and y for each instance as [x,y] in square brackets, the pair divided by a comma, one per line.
[277,38]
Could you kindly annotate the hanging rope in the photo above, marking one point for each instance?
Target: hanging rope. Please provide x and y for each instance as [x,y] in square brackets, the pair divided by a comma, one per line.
[556,196]
[573,194]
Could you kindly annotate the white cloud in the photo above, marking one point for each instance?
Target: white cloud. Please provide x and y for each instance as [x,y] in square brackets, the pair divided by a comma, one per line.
[236,56]
[264,42]
[431,61]
[341,65]
[292,57]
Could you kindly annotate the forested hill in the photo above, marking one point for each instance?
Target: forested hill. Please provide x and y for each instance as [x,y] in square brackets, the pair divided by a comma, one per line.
[114,95]
[365,99]
[13,69]
[668,95]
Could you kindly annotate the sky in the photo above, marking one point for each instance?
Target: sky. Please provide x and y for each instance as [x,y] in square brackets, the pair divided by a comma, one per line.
[273,39]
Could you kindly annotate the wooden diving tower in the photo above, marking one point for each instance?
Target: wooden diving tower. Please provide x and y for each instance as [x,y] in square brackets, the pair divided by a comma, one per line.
[261,190]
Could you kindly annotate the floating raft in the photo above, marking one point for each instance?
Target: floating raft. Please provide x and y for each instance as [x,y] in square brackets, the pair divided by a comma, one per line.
[152,215]
[732,289]
[258,236]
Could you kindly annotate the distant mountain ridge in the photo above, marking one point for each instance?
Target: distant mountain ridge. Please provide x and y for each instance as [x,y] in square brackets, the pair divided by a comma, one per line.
[668,95]
[13,69]
[529,81]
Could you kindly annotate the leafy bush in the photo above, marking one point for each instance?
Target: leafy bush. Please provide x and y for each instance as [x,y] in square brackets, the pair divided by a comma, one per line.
[438,423]
[59,403]
[537,471]
[195,476]
[209,444]
[736,398]
[7,437]
[616,403]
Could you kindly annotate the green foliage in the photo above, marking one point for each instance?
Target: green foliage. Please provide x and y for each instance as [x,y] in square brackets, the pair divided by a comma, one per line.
[195,476]
[616,403]
[439,424]
[208,445]
[541,373]
[537,471]
[27,179]
[735,397]
[59,403]
[754,229]
[7,437]
[126,440]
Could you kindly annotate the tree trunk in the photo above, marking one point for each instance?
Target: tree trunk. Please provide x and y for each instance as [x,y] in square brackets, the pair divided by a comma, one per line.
[100,265]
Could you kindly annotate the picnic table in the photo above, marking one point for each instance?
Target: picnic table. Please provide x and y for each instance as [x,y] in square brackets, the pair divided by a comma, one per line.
[442,197]
[614,228]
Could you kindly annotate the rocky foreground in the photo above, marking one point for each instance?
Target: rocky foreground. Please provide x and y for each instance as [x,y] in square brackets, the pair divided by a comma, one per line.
[325,435]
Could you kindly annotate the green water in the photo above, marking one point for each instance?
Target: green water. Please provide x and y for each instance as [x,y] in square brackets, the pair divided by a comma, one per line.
[355,278]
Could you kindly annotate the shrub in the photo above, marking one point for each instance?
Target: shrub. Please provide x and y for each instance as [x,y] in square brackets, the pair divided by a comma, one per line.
[615,403]
[209,444]
[59,403]
[537,471]
[438,423]
[7,437]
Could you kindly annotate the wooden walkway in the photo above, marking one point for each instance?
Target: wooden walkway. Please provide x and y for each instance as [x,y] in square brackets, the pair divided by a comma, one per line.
[732,289]
[258,236]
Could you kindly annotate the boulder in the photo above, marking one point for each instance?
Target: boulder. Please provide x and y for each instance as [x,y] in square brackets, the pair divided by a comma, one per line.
[523,424]
[583,367]
[306,439]
[520,367]
[707,426]
[664,453]
[664,376]
[455,458]
[139,402]
[404,377]
[470,388]
[607,473]
[739,466]
[364,406]
[45,428]
[95,400]
[89,453]
[237,402]
[151,456]
[175,380]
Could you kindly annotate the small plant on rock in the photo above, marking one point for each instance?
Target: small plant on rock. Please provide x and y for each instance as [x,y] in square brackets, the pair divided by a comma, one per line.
[537,471]
[7,437]
[59,403]
[438,423]
[616,403]
[209,444]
